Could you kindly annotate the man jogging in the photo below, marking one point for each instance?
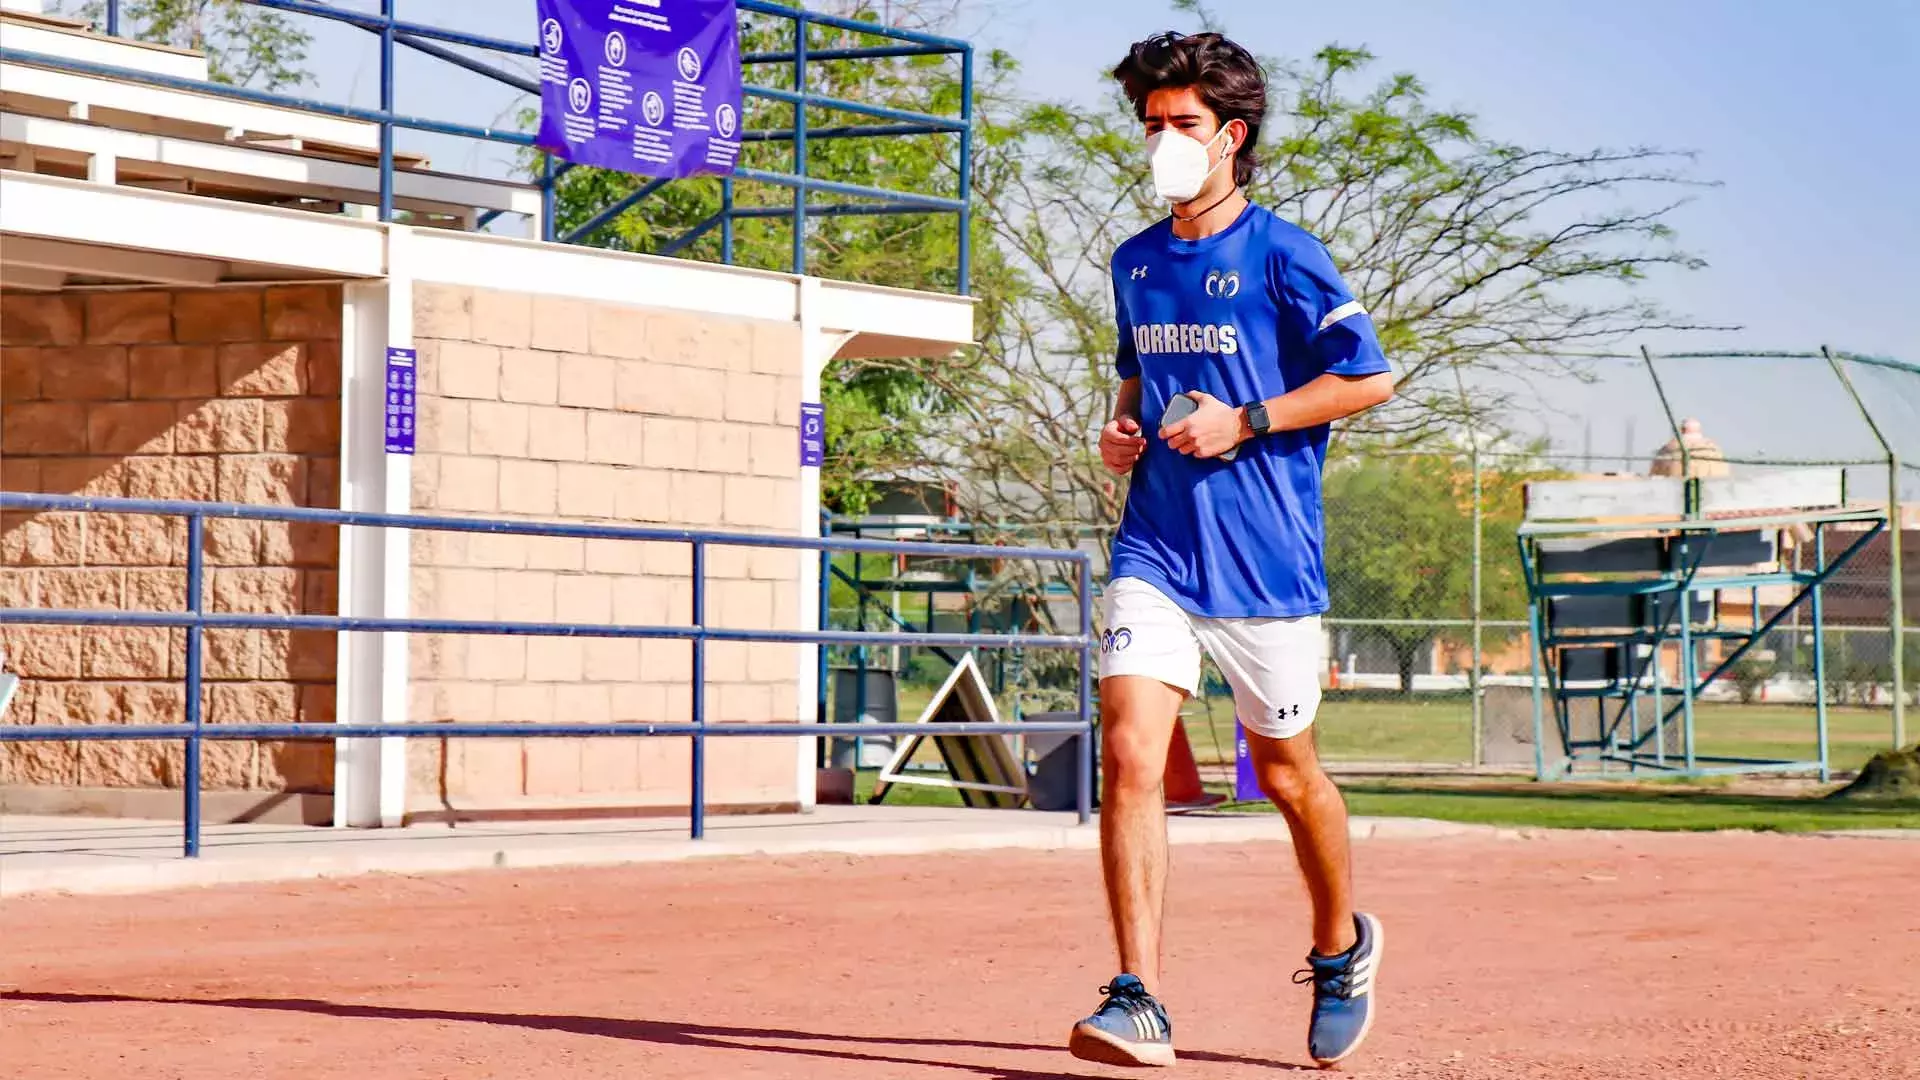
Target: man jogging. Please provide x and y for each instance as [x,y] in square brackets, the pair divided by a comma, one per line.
[1219,548]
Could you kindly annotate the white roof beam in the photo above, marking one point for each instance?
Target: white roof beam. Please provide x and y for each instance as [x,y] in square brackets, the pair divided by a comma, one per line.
[39,254]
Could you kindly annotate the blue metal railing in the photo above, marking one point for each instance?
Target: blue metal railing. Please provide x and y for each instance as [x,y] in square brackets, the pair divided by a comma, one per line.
[426,40]
[196,620]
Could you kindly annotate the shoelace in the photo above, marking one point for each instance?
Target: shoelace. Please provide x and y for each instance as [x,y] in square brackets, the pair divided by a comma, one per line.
[1127,999]
[1331,982]
[1134,1003]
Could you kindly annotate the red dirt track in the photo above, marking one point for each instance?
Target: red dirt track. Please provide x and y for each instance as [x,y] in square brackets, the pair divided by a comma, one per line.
[1576,955]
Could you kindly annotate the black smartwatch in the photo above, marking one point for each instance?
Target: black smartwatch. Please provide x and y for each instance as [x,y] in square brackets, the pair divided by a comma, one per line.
[1257,418]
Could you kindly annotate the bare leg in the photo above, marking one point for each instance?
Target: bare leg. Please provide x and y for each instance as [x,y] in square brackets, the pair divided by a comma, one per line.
[1290,774]
[1137,715]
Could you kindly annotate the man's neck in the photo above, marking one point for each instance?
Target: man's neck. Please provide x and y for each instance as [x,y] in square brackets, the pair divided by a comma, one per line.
[1212,214]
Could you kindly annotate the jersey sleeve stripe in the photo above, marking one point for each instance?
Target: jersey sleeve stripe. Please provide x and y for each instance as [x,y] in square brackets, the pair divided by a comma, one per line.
[1345,311]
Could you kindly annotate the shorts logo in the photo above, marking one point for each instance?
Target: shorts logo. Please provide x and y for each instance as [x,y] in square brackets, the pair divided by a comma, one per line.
[1283,713]
[1114,641]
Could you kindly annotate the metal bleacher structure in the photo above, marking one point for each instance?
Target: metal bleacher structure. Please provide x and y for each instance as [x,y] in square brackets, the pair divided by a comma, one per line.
[228,185]
[1625,579]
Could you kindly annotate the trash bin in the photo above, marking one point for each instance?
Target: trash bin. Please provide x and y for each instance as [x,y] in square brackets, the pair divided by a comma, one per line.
[882,707]
[1053,765]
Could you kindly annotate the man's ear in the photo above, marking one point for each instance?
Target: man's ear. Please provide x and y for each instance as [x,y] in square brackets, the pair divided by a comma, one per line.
[1238,133]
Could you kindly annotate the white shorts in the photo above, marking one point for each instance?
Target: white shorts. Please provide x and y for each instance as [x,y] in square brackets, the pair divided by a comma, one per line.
[1273,665]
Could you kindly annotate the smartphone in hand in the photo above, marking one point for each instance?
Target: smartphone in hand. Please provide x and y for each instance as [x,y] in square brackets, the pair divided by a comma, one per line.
[1182,407]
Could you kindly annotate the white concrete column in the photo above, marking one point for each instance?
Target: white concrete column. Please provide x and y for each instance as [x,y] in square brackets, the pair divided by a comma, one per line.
[818,347]
[370,775]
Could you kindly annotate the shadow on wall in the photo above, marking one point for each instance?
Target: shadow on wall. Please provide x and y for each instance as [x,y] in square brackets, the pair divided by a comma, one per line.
[218,394]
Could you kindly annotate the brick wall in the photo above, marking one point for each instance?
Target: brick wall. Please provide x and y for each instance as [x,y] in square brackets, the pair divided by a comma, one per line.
[558,410]
[215,394]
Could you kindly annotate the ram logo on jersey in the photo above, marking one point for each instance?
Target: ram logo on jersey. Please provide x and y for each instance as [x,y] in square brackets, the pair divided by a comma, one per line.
[1223,339]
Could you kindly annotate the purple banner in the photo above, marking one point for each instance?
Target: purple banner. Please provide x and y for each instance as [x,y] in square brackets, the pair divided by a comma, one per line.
[813,435]
[400,368]
[644,86]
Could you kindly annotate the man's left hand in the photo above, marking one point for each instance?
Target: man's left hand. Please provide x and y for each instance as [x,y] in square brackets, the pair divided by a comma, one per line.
[1211,430]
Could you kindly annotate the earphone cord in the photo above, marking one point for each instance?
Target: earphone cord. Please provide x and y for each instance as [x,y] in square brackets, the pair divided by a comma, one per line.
[1208,210]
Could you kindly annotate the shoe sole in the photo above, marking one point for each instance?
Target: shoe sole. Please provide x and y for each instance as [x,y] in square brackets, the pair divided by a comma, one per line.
[1379,950]
[1092,1044]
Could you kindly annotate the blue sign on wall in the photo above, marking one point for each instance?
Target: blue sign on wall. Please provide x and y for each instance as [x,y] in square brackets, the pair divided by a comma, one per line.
[400,369]
[643,86]
[813,435]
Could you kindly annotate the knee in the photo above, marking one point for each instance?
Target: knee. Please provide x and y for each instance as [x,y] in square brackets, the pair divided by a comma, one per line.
[1291,787]
[1131,765]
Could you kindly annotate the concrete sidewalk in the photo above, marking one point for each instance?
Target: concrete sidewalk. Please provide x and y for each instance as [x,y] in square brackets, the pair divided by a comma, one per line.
[91,855]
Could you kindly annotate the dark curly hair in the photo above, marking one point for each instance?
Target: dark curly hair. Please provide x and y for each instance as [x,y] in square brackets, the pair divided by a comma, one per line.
[1230,81]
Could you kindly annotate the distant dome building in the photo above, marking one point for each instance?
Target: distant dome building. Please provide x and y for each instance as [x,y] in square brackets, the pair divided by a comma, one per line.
[1703,454]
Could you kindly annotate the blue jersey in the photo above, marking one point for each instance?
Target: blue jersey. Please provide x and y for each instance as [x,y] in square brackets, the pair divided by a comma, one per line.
[1247,314]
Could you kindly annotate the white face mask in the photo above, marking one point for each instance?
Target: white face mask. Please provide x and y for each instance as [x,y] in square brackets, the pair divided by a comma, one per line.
[1181,165]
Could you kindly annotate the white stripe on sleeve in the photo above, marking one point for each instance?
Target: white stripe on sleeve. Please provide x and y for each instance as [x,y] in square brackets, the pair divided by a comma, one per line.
[1345,311]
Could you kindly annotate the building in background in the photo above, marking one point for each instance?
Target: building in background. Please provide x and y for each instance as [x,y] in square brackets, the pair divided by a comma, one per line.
[197,302]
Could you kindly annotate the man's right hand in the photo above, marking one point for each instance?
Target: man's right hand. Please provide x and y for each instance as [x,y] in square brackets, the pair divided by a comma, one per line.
[1121,444]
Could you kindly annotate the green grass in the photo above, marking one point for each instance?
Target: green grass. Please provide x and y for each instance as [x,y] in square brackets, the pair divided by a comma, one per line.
[1387,727]
[1557,806]
[1439,728]
[902,794]
[1428,728]
[1576,806]
[1663,807]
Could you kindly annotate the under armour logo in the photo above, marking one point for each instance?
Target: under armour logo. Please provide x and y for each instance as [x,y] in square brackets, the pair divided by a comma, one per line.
[1224,285]
[1281,713]
[1139,272]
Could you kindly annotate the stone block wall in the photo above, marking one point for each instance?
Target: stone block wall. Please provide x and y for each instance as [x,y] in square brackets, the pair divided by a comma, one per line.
[229,394]
[549,409]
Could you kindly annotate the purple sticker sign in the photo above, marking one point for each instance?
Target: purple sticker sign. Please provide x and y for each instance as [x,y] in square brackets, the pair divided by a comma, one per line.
[643,86]
[813,435]
[1246,785]
[400,368]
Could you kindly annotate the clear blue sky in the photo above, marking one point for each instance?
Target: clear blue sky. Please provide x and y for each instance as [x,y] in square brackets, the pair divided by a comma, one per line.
[1807,114]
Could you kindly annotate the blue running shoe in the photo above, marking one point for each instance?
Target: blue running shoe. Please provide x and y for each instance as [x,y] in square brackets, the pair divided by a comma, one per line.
[1343,994]
[1129,1028]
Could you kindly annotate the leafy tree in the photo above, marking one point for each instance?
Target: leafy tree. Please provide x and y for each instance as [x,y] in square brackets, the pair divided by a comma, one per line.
[1399,545]
[1474,256]
[245,45]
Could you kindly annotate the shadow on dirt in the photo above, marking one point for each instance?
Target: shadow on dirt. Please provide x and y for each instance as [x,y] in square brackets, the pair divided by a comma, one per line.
[663,1033]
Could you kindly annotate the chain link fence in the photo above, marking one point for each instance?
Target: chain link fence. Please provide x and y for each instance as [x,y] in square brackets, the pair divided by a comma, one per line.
[1429,655]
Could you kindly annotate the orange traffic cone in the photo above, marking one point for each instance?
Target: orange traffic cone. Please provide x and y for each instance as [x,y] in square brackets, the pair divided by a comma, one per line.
[1184,791]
